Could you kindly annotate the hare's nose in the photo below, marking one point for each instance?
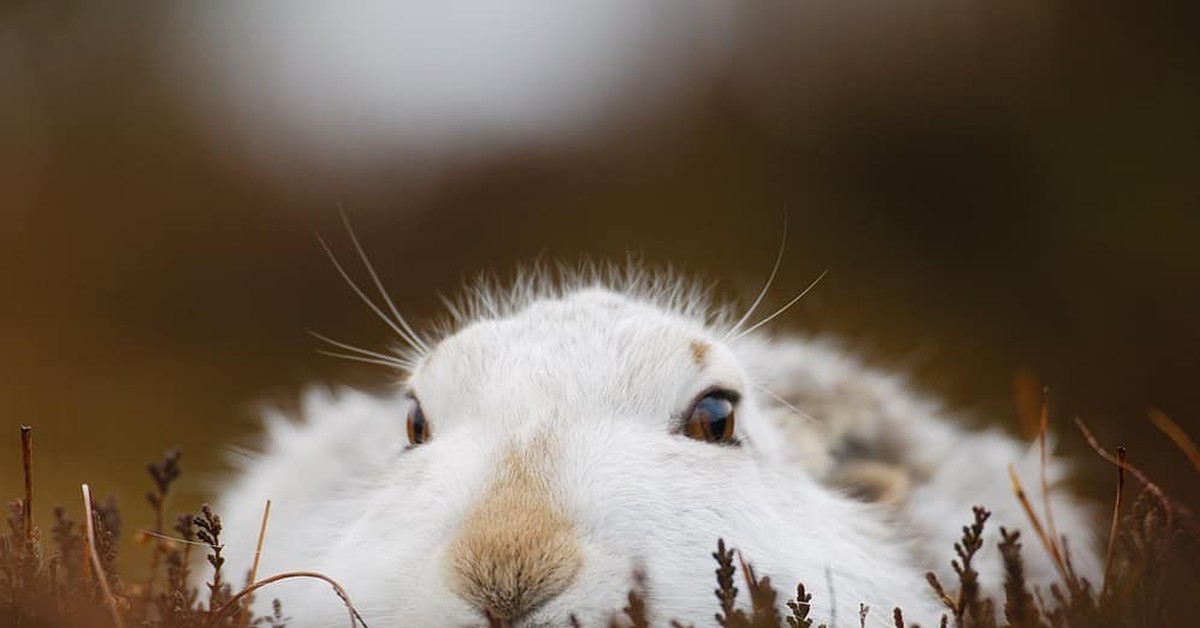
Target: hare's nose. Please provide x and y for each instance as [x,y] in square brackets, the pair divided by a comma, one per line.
[515,549]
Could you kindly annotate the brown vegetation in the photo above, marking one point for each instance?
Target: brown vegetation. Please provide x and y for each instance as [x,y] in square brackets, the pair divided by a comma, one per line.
[70,581]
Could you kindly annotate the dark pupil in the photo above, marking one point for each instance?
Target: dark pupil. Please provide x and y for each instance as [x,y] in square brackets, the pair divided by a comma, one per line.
[711,417]
[416,426]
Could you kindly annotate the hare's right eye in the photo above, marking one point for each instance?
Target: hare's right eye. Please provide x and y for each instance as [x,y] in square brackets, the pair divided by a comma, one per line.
[418,428]
[711,418]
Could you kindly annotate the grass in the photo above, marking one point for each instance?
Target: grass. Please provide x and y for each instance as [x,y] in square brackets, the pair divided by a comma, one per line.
[1151,570]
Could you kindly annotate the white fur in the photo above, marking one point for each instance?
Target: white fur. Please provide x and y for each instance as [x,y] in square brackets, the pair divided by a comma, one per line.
[602,365]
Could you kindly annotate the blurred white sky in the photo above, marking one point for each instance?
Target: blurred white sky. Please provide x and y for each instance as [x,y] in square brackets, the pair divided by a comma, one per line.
[328,96]
[329,87]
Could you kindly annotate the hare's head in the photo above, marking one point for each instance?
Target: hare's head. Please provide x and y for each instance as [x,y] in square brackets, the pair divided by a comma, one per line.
[554,441]
[556,444]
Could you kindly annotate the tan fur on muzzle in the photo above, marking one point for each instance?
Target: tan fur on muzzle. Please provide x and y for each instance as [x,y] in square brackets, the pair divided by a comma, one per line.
[515,550]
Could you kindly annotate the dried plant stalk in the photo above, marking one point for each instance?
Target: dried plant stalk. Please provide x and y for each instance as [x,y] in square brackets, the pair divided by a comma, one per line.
[1177,436]
[1050,546]
[1047,511]
[1112,529]
[27,466]
[233,603]
[1150,487]
[95,557]
[244,618]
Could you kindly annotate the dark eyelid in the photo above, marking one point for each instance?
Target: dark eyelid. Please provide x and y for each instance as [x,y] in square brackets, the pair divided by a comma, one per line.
[732,396]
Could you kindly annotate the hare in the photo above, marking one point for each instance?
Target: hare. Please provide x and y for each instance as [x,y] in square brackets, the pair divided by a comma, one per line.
[563,433]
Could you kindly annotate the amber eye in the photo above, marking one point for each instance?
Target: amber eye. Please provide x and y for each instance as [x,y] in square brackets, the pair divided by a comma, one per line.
[712,417]
[418,428]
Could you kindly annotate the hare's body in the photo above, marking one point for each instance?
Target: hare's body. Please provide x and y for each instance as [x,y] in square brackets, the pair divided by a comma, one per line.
[557,463]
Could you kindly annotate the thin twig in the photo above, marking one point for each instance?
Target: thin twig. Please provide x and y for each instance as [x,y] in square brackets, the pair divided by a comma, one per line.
[95,556]
[262,533]
[27,465]
[1112,530]
[1150,487]
[232,604]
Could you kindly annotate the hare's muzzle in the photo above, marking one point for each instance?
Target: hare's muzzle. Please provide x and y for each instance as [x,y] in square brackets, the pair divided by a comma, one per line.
[515,550]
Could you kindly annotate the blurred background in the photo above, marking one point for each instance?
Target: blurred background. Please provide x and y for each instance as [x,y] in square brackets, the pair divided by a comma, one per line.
[1002,191]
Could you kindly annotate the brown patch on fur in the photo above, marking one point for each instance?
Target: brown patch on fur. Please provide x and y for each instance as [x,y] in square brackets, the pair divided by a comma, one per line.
[699,352]
[515,550]
[873,481]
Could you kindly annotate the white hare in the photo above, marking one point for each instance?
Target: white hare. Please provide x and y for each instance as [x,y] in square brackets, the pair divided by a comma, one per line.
[562,433]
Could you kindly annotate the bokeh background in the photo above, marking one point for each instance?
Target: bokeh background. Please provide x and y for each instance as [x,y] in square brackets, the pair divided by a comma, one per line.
[1000,190]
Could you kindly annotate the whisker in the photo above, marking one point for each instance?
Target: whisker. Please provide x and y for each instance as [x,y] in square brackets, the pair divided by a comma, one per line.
[786,305]
[800,413]
[166,537]
[404,366]
[350,347]
[770,279]
[412,336]
[361,295]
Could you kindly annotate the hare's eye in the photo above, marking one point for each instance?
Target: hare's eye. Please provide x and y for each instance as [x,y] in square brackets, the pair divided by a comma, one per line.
[418,428]
[711,418]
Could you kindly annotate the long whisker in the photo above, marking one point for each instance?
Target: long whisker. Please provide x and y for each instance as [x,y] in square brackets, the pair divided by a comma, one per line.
[786,305]
[356,358]
[412,336]
[361,295]
[350,347]
[173,539]
[800,413]
[766,287]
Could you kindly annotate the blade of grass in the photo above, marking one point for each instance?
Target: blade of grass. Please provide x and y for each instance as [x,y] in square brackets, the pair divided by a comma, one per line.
[95,557]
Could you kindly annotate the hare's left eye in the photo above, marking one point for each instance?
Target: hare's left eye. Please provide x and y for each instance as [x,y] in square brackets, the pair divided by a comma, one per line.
[712,417]
[418,428]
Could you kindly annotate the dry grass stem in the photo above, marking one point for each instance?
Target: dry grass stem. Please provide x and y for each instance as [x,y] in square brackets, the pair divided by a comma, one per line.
[1047,511]
[225,610]
[27,466]
[1116,518]
[1050,546]
[95,558]
[244,617]
[1150,487]
[1184,442]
